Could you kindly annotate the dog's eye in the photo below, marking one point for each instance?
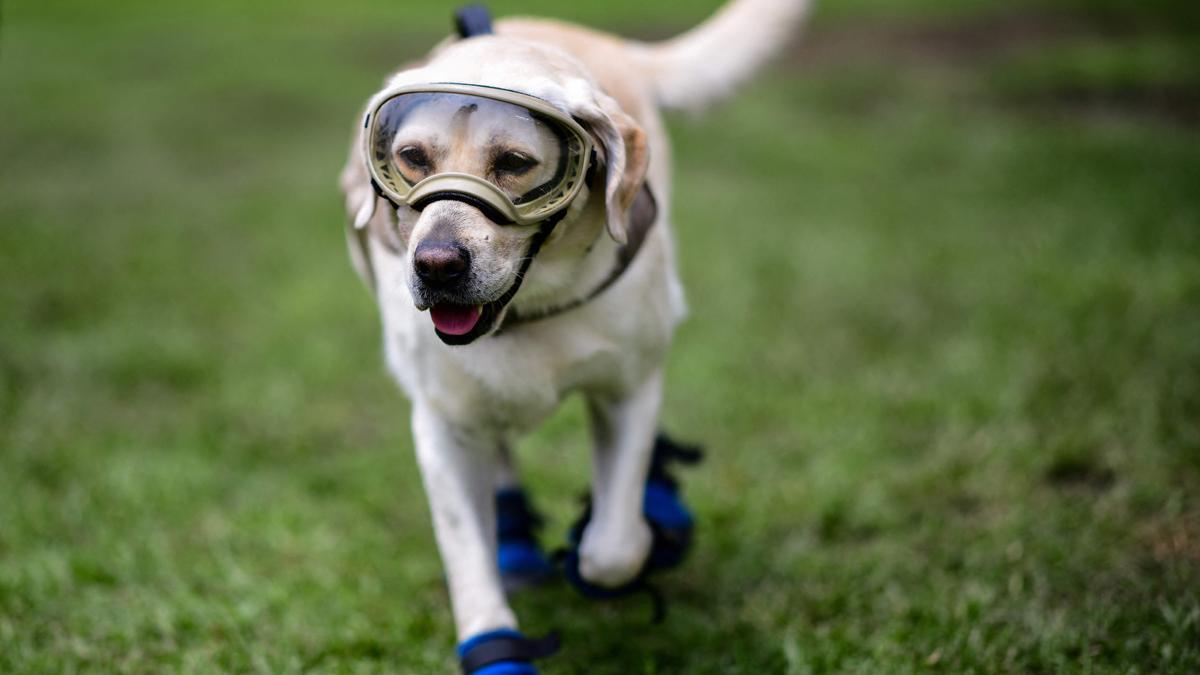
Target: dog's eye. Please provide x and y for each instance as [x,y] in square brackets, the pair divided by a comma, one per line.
[414,157]
[514,163]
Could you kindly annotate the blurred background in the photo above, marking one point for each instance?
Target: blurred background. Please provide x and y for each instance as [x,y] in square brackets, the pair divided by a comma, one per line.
[944,268]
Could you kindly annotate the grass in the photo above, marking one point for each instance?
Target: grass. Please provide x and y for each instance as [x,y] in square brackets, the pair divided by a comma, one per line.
[944,352]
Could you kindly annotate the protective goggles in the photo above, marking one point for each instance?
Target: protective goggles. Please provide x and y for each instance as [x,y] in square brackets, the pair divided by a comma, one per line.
[514,156]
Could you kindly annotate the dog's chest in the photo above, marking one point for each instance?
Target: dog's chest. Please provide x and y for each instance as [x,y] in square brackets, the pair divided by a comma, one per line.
[515,382]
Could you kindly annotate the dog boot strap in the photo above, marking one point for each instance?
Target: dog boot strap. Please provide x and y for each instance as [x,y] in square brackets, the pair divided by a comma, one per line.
[666,452]
[504,648]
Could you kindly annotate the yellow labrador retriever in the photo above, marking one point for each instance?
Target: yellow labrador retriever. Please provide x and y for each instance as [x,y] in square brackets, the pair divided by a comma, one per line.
[508,201]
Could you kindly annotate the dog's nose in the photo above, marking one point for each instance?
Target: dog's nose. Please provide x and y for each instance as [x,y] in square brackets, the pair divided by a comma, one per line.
[441,263]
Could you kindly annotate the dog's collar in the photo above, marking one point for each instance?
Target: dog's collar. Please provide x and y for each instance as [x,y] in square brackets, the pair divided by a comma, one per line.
[643,213]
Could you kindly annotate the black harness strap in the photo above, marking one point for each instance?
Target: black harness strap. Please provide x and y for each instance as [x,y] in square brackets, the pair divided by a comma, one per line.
[535,245]
[507,648]
[513,319]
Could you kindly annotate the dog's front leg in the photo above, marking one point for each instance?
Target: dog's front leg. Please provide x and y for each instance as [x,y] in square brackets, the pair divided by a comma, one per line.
[617,540]
[458,468]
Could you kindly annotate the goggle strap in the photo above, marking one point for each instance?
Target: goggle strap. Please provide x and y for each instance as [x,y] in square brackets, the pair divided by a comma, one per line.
[535,245]
[591,170]
[473,20]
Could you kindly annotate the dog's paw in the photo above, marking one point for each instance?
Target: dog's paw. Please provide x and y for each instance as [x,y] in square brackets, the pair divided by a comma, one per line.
[611,557]
[611,564]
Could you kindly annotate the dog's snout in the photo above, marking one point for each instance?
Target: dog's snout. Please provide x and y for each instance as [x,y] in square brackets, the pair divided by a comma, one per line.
[441,263]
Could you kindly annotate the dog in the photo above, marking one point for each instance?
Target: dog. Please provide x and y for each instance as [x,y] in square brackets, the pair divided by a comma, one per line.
[500,296]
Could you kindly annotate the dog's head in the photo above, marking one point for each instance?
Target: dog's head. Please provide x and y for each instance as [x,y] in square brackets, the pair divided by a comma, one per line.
[462,264]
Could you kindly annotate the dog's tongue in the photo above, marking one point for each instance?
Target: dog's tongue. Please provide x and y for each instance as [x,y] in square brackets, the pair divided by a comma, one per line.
[455,319]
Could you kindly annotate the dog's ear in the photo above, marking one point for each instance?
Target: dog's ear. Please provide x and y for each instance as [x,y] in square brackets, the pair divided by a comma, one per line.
[642,215]
[361,207]
[623,149]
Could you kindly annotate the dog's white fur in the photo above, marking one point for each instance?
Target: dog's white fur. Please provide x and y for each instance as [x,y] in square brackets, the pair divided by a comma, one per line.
[469,402]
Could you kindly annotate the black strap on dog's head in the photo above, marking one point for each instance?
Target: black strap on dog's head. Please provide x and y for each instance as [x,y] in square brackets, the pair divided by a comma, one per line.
[643,214]
[472,21]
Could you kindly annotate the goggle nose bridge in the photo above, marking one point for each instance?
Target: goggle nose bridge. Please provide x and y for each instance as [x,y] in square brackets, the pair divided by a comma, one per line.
[467,189]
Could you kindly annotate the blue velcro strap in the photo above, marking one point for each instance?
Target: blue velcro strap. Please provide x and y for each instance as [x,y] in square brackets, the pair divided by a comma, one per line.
[476,640]
[504,652]
[473,20]
[508,668]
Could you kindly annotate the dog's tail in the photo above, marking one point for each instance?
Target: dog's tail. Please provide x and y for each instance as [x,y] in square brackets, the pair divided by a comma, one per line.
[703,65]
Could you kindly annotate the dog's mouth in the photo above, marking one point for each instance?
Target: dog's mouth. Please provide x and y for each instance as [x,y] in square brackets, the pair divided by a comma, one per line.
[455,319]
[458,324]
[461,321]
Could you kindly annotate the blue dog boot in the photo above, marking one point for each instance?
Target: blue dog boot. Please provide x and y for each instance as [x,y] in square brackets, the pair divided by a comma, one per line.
[669,518]
[522,562]
[666,513]
[504,652]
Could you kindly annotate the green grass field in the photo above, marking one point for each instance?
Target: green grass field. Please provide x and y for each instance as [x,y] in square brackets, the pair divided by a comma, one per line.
[944,268]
